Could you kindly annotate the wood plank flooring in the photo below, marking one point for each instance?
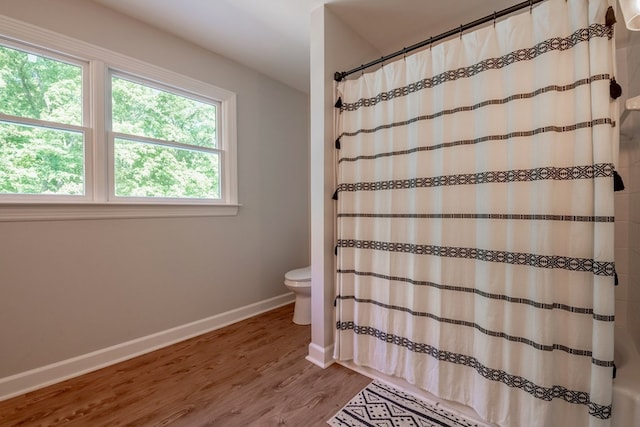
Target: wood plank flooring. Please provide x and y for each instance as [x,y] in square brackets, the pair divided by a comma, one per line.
[252,373]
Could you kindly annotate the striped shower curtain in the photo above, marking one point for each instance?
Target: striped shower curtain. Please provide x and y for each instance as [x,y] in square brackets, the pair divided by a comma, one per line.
[475,218]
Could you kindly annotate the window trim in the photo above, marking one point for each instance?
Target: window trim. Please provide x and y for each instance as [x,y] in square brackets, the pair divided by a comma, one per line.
[218,149]
[82,128]
[96,203]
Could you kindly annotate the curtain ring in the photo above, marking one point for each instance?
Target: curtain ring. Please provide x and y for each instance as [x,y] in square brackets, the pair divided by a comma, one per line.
[461,30]
[494,19]
[530,6]
[431,43]
[382,62]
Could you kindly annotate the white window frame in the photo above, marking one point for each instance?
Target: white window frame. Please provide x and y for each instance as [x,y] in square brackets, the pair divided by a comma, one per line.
[98,202]
[83,128]
[112,135]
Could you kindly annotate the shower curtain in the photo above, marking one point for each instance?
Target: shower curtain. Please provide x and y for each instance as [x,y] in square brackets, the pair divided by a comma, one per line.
[475,218]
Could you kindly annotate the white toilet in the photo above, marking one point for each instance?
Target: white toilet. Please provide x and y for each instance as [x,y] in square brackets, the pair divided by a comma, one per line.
[299,282]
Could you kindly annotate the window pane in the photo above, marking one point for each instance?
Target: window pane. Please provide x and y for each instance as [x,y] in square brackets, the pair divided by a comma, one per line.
[145,111]
[149,170]
[40,161]
[40,88]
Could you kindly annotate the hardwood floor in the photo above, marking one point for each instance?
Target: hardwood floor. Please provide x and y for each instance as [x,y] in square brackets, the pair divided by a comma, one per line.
[252,373]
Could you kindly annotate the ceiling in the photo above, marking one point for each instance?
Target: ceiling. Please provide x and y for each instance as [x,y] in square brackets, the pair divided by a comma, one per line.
[272,36]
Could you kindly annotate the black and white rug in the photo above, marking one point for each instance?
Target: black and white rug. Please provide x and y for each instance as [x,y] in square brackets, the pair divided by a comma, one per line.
[379,405]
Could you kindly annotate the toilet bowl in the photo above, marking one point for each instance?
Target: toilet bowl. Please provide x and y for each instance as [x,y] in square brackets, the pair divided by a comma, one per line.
[299,282]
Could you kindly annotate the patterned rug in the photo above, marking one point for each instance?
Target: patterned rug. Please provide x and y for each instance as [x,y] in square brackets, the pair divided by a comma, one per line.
[379,405]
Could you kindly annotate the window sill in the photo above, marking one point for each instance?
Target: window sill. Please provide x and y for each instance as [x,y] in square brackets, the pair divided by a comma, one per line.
[17,212]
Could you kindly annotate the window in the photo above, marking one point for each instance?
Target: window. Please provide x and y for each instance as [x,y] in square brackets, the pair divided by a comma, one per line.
[164,143]
[105,135]
[42,137]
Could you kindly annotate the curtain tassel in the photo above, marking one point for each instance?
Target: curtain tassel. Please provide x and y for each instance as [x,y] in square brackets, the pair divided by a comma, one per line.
[338,144]
[335,195]
[615,279]
[615,90]
[338,103]
[618,184]
[335,250]
[614,370]
[610,17]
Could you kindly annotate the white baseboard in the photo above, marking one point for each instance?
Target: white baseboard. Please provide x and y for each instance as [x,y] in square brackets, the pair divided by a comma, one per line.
[33,379]
[321,356]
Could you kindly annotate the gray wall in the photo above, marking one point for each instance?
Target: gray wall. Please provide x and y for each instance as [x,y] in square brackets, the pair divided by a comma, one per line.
[72,287]
[334,47]
[627,202]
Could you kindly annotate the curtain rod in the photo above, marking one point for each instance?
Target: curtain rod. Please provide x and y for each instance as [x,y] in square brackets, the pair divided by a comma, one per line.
[340,75]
